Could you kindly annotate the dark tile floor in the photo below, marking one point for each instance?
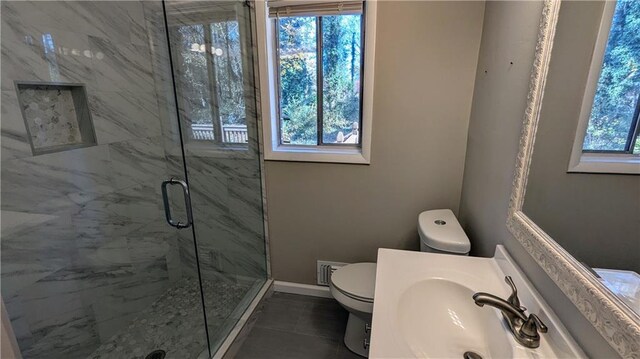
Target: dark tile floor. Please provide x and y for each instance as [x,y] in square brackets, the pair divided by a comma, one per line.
[296,326]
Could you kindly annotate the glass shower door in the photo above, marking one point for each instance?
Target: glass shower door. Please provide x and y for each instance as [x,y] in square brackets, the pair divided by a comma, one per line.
[210,43]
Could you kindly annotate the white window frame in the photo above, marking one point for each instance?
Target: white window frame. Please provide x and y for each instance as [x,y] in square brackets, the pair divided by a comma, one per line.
[273,150]
[589,162]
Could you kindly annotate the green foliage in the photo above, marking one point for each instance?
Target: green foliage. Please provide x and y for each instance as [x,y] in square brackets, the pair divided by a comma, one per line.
[300,127]
[619,84]
[192,74]
[298,101]
[228,71]
[341,62]
[297,56]
[298,76]
[194,62]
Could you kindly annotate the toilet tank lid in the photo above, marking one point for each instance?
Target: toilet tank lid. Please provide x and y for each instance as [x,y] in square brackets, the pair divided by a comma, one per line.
[357,279]
[440,229]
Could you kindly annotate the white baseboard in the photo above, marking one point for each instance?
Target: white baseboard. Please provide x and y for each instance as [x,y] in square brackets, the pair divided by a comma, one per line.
[302,289]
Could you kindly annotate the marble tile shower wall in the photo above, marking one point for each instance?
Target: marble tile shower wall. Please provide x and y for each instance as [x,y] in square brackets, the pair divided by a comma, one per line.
[84,244]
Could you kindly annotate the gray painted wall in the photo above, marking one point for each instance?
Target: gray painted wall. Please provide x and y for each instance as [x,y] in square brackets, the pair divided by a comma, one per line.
[596,217]
[426,57]
[509,35]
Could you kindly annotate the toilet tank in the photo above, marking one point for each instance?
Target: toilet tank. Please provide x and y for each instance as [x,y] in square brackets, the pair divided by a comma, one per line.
[440,232]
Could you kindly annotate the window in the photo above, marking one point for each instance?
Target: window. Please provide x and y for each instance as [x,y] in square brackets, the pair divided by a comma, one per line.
[316,79]
[610,118]
[207,48]
[319,79]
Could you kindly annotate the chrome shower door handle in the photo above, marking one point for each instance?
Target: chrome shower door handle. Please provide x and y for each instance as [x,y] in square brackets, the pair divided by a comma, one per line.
[187,203]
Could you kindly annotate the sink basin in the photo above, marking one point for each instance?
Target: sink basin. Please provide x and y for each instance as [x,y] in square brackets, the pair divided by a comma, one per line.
[423,308]
[436,328]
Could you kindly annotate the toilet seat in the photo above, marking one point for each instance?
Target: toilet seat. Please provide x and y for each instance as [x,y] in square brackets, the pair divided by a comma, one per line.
[354,297]
[356,281]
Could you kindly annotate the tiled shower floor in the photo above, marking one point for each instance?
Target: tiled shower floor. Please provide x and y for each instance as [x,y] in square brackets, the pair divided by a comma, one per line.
[174,323]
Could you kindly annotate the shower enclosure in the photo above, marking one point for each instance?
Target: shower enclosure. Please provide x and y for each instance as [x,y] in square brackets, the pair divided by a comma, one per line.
[131,197]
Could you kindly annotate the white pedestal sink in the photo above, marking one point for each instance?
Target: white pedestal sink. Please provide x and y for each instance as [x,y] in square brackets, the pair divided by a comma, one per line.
[423,308]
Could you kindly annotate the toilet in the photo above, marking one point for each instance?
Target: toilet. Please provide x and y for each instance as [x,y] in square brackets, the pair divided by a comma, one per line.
[353,285]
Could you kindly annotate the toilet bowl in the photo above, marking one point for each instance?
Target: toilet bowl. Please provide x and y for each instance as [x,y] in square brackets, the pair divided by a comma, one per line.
[353,285]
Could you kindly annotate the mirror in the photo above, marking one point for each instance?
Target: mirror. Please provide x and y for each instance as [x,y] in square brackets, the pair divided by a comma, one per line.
[575,201]
[593,77]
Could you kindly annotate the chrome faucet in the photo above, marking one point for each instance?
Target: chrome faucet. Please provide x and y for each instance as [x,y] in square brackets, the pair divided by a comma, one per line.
[524,328]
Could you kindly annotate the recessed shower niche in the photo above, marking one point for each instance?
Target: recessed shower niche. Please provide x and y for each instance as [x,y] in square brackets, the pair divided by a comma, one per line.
[56,116]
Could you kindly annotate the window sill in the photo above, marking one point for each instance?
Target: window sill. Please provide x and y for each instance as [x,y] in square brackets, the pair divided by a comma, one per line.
[317,154]
[606,163]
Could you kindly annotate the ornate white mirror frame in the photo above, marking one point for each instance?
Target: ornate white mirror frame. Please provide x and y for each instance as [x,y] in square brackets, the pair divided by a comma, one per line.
[616,322]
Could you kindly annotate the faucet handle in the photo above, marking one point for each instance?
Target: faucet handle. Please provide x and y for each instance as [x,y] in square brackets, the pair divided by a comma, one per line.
[513,298]
[533,325]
